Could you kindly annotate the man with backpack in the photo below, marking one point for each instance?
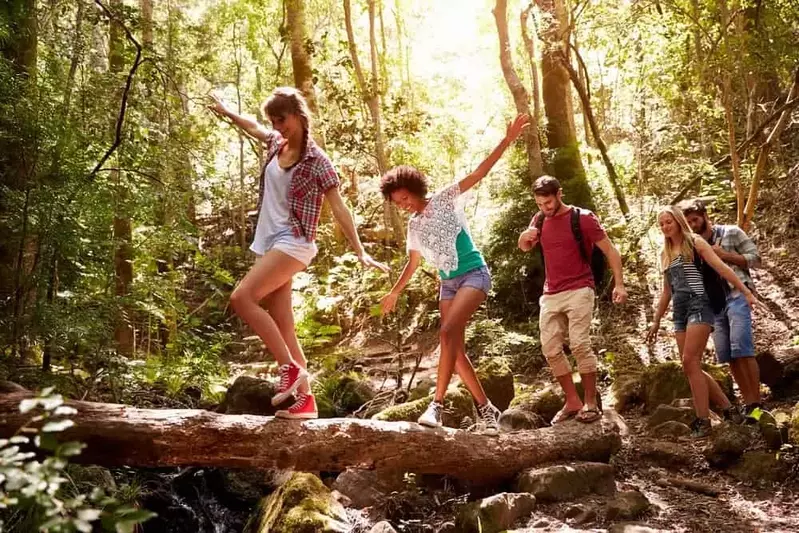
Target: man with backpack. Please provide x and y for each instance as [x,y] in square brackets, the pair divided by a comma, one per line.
[732,332]
[572,240]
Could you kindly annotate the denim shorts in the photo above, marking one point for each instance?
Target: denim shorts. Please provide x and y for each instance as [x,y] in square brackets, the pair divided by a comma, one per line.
[479,278]
[691,309]
[733,333]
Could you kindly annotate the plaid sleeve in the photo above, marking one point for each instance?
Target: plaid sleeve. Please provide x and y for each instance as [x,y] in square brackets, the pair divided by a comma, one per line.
[745,246]
[326,175]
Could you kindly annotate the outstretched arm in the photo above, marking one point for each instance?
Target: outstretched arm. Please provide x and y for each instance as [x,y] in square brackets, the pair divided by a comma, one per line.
[724,271]
[514,130]
[614,259]
[344,219]
[250,126]
[388,301]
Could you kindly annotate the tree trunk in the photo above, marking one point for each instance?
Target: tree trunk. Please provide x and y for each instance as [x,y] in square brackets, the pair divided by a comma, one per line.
[535,164]
[529,45]
[19,46]
[301,60]
[592,126]
[565,164]
[123,435]
[122,229]
[146,7]
[370,95]
[765,149]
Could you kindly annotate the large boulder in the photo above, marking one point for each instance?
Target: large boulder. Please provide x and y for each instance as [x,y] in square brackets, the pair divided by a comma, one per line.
[341,394]
[666,454]
[496,513]
[727,443]
[667,413]
[671,429]
[567,481]
[628,505]
[774,426]
[515,419]
[664,382]
[366,488]
[458,405]
[251,396]
[780,371]
[628,390]
[760,467]
[545,402]
[496,377]
[301,505]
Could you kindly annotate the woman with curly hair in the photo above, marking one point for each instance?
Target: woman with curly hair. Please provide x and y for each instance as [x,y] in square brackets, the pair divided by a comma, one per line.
[437,231]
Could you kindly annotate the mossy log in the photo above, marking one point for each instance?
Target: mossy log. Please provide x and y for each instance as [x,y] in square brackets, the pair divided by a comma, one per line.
[123,435]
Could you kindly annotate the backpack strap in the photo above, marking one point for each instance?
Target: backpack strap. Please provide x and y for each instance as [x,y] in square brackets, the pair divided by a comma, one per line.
[577,231]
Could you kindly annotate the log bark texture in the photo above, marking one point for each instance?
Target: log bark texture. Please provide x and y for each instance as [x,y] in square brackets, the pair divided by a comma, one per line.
[122,435]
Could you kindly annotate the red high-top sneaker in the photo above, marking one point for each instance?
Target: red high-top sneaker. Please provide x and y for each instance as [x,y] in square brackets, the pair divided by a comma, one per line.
[303,408]
[291,377]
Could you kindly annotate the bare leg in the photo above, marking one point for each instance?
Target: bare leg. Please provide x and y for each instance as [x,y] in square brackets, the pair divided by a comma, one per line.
[573,401]
[279,306]
[589,388]
[691,344]
[268,274]
[463,366]
[747,375]
[452,335]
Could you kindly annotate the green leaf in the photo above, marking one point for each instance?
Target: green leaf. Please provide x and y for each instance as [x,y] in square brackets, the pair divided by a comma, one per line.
[69,449]
[57,425]
[27,405]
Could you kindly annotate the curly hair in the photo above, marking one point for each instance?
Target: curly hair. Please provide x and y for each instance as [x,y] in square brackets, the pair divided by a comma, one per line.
[403,177]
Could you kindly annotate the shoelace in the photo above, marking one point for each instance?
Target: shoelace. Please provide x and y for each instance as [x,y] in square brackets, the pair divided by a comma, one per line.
[302,399]
[487,415]
[284,377]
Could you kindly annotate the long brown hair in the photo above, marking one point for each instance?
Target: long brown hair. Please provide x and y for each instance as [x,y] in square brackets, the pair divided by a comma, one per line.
[686,248]
[289,101]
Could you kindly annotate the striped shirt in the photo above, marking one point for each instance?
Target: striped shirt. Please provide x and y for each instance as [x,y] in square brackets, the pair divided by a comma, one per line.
[733,239]
[692,276]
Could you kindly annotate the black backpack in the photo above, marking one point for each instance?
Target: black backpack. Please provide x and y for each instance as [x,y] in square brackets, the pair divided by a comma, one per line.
[716,287]
[597,261]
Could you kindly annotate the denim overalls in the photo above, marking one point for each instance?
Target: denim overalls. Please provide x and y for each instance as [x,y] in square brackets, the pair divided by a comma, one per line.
[687,306]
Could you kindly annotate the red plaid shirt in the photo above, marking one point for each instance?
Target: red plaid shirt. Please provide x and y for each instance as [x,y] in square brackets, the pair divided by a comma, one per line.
[313,176]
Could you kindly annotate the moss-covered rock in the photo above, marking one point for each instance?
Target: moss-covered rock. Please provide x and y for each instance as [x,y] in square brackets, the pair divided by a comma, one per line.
[341,394]
[495,513]
[301,505]
[760,467]
[89,477]
[251,396]
[424,387]
[496,377]
[458,405]
[628,390]
[794,429]
[545,402]
[664,382]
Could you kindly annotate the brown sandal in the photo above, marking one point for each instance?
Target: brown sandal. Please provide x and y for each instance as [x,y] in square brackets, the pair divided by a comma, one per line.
[563,415]
[589,414]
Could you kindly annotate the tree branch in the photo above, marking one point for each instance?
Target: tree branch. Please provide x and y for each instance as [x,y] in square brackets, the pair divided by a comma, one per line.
[123,106]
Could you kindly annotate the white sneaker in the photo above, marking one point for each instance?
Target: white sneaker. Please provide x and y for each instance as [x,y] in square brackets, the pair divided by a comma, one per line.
[432,415]
[489,419]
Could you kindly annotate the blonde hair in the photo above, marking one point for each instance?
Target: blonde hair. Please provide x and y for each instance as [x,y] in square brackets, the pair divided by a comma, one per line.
[289,101]
[686,247]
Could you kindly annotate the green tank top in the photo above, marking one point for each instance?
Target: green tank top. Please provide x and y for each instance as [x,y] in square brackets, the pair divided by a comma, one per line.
[469,257]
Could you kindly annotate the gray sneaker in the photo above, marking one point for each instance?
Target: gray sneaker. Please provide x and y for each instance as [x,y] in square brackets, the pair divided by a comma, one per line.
[489,419]
[700,428]
[432,415]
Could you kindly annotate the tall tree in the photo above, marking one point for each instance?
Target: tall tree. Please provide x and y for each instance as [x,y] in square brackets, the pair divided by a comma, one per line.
[535,165]
[529,46]
[301,60]
[565,163]
[122,227]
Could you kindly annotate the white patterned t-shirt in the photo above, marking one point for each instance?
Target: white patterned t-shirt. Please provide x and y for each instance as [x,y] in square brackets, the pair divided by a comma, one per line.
[434,231]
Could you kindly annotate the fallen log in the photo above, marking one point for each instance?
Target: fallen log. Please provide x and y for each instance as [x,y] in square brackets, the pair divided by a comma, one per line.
[118,435]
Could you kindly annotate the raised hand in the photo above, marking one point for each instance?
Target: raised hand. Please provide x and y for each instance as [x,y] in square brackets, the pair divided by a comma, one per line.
[367,261]
[217,105]
[515,128]
[528,239]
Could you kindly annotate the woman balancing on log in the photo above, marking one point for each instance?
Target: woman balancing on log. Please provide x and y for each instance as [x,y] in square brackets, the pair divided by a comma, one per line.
[437,231]
[297,177]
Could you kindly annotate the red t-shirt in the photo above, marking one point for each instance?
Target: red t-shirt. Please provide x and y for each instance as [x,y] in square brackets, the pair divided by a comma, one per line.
[565,268]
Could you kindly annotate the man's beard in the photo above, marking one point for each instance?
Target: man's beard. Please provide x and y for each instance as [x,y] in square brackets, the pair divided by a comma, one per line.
[702,228]
[555,209]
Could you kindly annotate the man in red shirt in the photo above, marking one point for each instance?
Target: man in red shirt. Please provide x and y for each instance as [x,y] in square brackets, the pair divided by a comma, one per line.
[568,299]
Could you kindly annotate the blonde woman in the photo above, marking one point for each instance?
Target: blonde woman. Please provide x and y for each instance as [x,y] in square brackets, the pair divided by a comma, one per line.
[296,179]
[681,261]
